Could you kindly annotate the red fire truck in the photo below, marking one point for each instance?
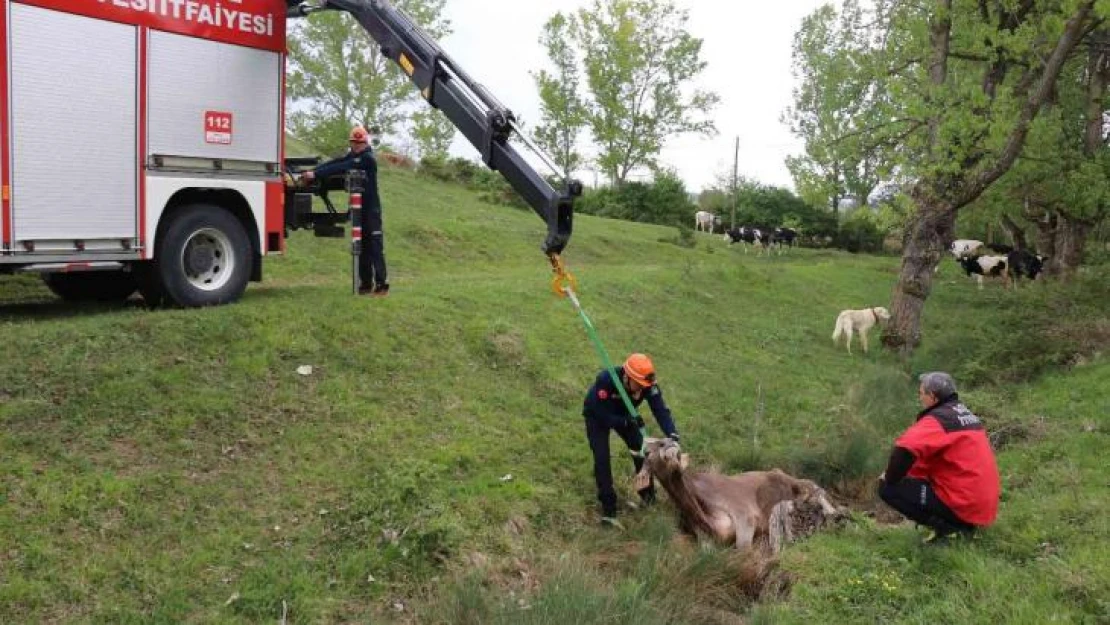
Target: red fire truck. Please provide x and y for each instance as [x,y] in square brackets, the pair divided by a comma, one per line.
[142,145]
[141,141]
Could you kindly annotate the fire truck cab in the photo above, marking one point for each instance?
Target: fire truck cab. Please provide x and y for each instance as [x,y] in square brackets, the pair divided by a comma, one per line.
[141,145]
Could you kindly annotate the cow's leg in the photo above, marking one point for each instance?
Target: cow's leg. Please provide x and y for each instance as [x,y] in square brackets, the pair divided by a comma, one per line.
[863,338]
[745,532]
[848,332]
[979,278]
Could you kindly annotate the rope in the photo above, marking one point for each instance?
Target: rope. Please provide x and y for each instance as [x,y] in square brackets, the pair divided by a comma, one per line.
[564,285]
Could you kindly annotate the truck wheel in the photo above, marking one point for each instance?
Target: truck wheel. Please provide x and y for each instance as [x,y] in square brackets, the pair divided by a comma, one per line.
[92,286]
[203,258]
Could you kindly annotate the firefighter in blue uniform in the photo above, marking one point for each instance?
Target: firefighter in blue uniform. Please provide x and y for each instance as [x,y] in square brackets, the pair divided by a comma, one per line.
[372,270]
[604,410]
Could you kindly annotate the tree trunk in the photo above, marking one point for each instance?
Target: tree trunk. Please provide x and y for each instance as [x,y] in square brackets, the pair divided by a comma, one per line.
[1045,240]
[1070,243]
[928,234]
[1017,235]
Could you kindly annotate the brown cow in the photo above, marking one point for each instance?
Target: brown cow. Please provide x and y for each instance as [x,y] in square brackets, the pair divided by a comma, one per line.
[757,507]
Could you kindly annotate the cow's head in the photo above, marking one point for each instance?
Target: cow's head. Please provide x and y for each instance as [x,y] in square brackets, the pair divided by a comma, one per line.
[1036,266]
[665,458]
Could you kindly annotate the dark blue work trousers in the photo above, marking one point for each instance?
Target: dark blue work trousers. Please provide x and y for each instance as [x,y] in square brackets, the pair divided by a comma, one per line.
[598,434]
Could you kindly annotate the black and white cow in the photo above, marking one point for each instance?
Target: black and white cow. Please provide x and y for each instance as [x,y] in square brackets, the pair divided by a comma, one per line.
[1024,264]
[764,238]
[704,220]
[742,234]
[1000,248]
[785,236]
[965,248]
[986,266]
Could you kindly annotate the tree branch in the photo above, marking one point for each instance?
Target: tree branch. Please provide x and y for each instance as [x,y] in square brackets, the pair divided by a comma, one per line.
[1014,143]
[940,41]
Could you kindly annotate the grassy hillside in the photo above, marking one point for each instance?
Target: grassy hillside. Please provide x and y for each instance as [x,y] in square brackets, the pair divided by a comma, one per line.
[296,147]
[172,466]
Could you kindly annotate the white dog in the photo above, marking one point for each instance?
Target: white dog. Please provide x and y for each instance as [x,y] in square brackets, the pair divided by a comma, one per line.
[861,321]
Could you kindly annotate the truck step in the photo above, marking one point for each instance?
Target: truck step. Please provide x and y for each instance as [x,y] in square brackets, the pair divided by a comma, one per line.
[71,267]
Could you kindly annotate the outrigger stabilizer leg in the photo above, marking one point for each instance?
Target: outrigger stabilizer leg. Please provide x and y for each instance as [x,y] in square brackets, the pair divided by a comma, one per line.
[356,184]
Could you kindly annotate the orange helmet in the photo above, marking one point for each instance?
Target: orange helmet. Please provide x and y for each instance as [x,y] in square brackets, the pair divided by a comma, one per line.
[359,135]
[639,368]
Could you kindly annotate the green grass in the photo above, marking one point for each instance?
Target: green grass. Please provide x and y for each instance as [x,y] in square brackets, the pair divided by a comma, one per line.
[171,466]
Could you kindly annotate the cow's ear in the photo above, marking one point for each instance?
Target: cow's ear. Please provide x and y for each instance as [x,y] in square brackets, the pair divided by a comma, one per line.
[684,461]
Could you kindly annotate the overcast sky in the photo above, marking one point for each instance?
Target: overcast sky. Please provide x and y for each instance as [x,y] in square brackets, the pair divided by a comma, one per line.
[747,47]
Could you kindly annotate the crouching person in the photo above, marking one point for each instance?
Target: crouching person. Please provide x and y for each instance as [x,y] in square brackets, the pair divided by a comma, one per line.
[604,411]
[942,471]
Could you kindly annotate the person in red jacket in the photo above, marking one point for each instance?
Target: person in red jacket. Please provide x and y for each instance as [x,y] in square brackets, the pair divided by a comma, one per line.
[942,472]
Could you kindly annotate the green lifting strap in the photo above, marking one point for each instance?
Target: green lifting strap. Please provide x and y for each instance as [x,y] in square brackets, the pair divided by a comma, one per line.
[591,331]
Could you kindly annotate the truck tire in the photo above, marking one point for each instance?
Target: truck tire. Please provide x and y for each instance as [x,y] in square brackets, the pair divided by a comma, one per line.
[91,286]
[203,258]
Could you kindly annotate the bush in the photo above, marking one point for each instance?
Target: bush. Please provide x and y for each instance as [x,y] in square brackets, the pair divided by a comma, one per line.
[437,168]
[860,233]
[490,186]
[663,201]
[684,237]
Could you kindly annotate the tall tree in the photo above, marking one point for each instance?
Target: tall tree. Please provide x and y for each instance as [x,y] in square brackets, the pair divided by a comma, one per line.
[1061,183]
[640,60]
[562,110]
[980,74]
[955,88]
[835,110]
[338,75]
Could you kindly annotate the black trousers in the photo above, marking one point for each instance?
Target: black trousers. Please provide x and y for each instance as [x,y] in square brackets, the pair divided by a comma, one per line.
[917,501]
[598,434]
[371,262]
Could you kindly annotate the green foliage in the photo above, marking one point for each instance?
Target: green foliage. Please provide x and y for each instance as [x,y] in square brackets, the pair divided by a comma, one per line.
[639,60]
[490,185]
[860,233]
[836,109]
[684,237]
[950,94]
[769,206]
[716,200]
[562,108]
[664,201]
[432,132]
[340,77]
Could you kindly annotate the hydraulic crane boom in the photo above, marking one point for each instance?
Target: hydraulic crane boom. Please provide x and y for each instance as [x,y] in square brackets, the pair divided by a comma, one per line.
[480,117]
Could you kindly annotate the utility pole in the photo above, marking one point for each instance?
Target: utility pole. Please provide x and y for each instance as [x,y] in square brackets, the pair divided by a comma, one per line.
[735,167]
